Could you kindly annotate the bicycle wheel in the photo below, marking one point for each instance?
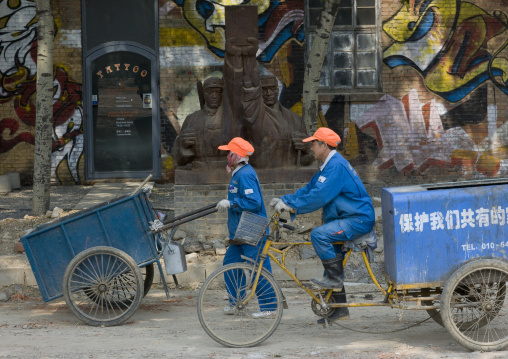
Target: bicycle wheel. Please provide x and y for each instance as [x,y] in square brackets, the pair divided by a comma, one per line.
[239,328]
[473,305]
[103,286]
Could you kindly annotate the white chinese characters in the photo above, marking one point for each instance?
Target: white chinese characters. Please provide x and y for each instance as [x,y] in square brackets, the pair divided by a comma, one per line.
[453,219]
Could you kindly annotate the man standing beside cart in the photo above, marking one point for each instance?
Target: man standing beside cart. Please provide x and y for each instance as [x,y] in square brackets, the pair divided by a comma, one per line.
[348,212]
[244,194]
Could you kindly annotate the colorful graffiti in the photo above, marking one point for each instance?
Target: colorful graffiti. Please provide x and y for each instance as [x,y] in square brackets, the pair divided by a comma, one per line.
[446,42]
[279,21]
[411,135]
[18,68]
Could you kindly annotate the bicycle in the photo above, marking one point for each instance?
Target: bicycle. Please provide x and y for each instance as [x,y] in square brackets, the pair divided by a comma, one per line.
[469,305]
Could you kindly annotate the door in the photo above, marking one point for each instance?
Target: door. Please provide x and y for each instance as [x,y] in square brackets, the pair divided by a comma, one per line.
[122,112]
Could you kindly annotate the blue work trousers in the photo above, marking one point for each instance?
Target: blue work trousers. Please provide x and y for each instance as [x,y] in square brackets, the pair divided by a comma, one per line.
[322,238]
[264,291]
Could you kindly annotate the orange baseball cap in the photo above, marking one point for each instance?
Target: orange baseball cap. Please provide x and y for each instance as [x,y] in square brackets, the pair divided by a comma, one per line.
[239,146]
[326,135]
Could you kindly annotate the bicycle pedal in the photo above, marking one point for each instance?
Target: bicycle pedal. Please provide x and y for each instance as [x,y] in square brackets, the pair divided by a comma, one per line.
[310,285]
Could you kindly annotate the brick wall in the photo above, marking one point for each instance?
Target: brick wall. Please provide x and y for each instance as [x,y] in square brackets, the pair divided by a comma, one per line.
[189,198]
[440,116]
[18,91]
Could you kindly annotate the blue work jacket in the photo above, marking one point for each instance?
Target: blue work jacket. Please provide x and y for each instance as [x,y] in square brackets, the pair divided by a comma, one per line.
[244,194]
[340,192]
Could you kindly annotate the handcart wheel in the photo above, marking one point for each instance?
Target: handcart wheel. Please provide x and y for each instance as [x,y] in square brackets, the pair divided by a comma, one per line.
[147,272]
[473,305]
[236,328]
[103,286]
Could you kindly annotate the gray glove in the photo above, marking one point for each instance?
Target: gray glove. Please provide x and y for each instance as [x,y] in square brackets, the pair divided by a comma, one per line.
[274,202]
[223,205]
[281,207]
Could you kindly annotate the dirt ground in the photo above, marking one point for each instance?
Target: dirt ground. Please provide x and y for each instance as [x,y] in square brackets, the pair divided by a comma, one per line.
[169,328]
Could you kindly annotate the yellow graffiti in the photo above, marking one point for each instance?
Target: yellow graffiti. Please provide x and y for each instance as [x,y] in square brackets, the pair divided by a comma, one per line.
[352,148]
[179,37]
[447,43]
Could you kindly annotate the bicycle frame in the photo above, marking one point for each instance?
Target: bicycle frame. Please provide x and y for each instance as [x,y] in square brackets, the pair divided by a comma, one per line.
[391,295]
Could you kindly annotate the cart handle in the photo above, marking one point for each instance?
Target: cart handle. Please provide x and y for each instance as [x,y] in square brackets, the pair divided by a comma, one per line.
[141,185]
[191,218]
[190,213]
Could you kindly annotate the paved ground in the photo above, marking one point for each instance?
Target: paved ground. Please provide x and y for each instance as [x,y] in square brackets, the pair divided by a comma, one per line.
[163,328]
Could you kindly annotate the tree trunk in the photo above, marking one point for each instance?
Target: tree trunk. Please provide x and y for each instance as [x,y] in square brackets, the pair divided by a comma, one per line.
[315,63]
[44,108]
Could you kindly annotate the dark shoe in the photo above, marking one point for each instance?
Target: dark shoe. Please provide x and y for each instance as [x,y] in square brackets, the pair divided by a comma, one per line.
[333,278]
[338,314]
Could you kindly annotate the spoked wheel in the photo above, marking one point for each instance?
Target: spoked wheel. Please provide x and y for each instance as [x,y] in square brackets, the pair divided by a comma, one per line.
[103,286]
[147,272]
[229,322]
[473,305]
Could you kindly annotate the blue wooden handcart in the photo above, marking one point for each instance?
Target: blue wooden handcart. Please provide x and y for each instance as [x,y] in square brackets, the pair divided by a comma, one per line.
[101,260]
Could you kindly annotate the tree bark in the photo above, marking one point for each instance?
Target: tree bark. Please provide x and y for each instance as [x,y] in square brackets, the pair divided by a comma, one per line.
[44,108]
[315,63]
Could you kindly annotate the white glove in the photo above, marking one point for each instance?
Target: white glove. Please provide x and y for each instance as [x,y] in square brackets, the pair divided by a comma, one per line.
[274,202]
[281,207]
[223,205]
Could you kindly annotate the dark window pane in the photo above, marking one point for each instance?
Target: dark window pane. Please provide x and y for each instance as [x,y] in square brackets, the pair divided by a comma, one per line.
[316,3]
[345,3]
[365,16]
[342,41]
[364,3]
[122,123]
[314,16]
[366,42]
[343,78]
[366,78]
[344,17]
[342,60]
[366,59]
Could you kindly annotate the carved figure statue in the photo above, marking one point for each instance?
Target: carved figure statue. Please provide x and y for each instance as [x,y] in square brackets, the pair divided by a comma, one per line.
[204,130]
[236,107]
[277,132]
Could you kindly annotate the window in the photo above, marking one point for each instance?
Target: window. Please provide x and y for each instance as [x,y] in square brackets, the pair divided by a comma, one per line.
[352,62]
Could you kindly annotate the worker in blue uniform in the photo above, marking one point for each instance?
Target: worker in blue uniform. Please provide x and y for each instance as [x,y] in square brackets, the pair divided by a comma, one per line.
[348,212]
[244,194]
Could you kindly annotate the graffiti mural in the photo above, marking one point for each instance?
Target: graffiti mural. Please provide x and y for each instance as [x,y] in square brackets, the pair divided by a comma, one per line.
[279,21]
[411,135]
[446,42]
[18,68]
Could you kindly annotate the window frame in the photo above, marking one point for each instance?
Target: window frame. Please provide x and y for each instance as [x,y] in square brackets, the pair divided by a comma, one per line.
[355,30]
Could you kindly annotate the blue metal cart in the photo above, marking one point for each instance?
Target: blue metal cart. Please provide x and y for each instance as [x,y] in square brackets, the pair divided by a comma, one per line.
[445,249]
[96,259]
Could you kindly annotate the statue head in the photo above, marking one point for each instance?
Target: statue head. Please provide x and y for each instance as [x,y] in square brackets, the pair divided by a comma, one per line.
[270,87]
[212,88]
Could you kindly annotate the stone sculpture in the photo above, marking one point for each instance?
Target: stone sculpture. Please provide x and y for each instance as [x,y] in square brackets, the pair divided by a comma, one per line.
[248,108]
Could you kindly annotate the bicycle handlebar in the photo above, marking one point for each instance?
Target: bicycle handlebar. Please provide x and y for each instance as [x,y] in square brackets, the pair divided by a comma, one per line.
[287,226]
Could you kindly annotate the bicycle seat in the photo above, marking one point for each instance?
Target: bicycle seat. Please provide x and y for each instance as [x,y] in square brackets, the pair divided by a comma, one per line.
[366,242]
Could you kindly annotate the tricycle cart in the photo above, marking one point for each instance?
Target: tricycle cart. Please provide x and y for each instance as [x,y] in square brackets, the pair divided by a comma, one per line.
[445,252]
[95,258]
